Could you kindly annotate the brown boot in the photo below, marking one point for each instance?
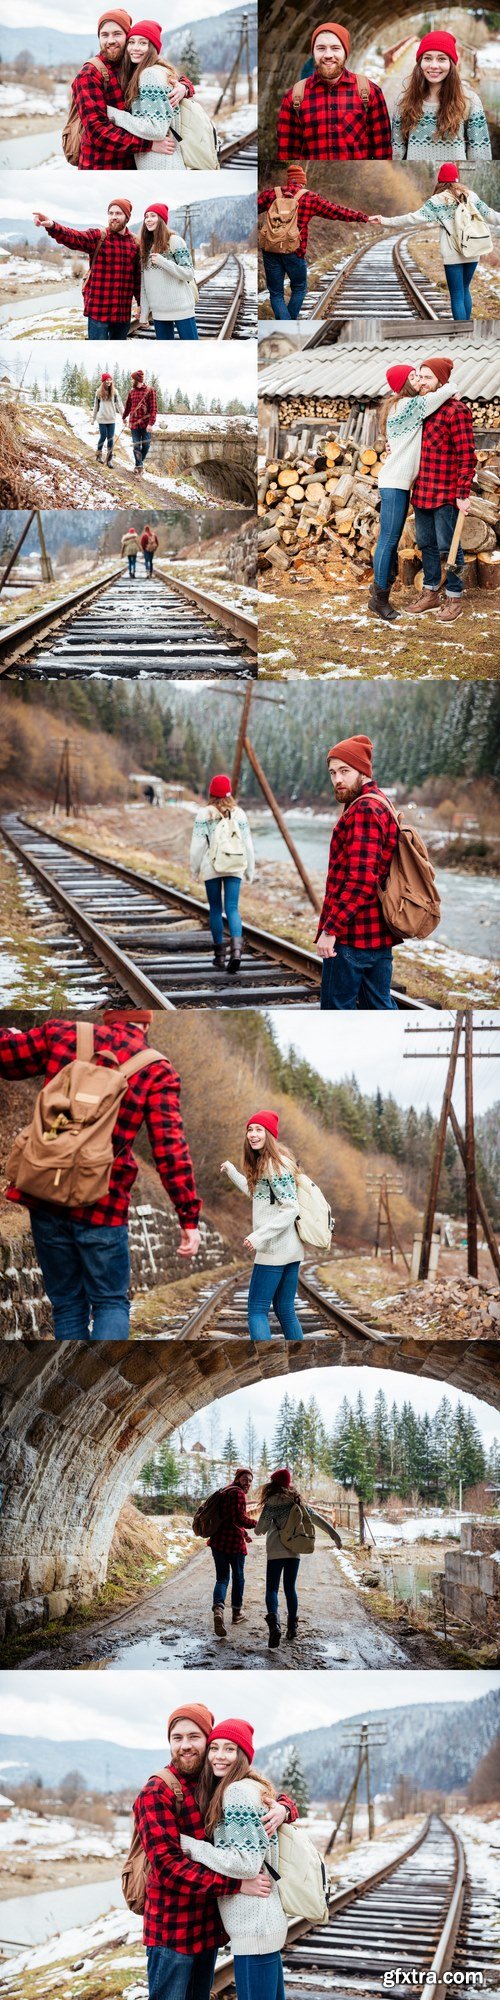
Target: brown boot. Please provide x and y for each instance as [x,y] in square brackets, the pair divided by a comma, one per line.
[452,608]
[427,601]
[219,1626]
[238,1616]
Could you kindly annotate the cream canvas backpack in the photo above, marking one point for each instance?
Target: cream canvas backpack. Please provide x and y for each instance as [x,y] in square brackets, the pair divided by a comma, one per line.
[66,1154]
[302,1881]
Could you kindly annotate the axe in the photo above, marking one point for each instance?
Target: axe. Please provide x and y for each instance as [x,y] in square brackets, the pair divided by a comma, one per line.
[454,547]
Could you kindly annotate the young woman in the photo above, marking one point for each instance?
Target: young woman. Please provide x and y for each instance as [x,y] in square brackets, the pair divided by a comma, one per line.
[401,419]
[130,548]
[222,872]
[437,114]
[149,112]
[234,1805]
[107,406]
[277,1500]
[270,1178]
[149,545]
[450,196]
[168,288]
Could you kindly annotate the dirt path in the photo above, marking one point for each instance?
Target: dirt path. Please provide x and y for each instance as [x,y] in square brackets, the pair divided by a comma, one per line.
[172,1626]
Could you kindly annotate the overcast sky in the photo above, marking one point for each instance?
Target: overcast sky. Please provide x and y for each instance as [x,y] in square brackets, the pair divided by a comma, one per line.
[131,1708]
[373,1048]
[329,1386]
[82,199]
[37,14]
[232,373]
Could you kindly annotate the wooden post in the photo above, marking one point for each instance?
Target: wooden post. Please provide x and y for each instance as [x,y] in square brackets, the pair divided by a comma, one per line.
[361,1524]
[439,1151]
[371,1825]
[47,570]
[281,822]
[240,741]
[15,552]
[470,1153]
[481,1207]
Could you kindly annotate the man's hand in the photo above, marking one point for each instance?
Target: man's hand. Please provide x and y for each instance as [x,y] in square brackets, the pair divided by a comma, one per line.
[189,1243]
[463,505]
[164,145]
[325,945]
[42,221]
[377,218]
[261,1885]
[274,1817]
[176,93]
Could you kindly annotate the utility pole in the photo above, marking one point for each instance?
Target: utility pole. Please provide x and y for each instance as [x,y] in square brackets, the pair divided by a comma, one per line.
[244,746]
[242,57]
[464,1030]
[66,782]
[386,1187]
[362,1738]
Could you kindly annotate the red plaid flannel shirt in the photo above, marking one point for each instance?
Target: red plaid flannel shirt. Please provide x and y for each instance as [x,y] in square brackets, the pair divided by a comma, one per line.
[153,1095]
[447,458]
[115,278]
[141,406]
[334,124]
[104,144]
[231,1537]
[361,850]
[181,1909]
[309,205]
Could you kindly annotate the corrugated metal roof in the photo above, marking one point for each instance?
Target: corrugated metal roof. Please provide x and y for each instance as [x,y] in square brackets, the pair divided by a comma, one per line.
[361,370]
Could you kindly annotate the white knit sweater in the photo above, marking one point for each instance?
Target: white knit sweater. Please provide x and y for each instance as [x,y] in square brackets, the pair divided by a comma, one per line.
[441,208]
[274,1236]
[199,859]
[400,468]
[107,407]
[166,287]
[254,1924]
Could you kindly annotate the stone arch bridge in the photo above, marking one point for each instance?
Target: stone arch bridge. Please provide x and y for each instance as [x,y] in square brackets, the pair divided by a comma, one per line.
[221,452]
[79,1421]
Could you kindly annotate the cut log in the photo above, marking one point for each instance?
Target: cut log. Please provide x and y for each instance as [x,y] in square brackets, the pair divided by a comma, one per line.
[369,457]
[287,476]
[470,573]
[343,489]
[314,491]
[488,569]
[296,492]
[344,521]
[474,534]
[269,538]
[408,564]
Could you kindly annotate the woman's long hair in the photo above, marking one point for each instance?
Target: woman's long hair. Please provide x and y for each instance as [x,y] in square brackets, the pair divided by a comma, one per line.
[224,806]
[454,188]
[132,72]
[452,107]
[210,1790]
[269,1492]
[257,1163]
[154,239]
[389,403]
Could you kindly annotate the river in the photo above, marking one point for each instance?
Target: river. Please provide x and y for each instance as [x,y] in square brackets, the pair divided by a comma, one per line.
[45,302]
[30,1920]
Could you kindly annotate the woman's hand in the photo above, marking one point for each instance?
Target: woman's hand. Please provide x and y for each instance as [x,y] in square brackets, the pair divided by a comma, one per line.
[111,112]
[155,257]
[248,1245]
[261,1885]
[274,1817]
[224,1169]
[164,145]
[176,93]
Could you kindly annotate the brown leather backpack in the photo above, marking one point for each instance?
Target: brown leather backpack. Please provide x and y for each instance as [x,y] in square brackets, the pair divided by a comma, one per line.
[279,229]
[363,85]
[409,898]
[136,1868]
[66,1154]
[72,131]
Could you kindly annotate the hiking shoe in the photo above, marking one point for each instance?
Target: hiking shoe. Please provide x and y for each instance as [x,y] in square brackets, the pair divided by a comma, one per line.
[238,1616]
[274,1631]
[219,1626]
[427,601]
[452,608]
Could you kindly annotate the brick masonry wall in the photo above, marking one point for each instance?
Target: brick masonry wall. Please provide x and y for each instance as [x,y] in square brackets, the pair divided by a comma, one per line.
[154,1238]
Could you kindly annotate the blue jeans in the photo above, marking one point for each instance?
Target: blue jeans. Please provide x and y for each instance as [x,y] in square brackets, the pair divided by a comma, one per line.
[356,978]
[106,435]
[148,561]
[259,1978]
[394,504]
[225,1567]
[131,563]
[171,1976]
[186,328]
[273,1285]
[279,266]
[86,1272]
[141,442]
[113,329]
[459,279]
[289,1566]
[231,884]
[434,528]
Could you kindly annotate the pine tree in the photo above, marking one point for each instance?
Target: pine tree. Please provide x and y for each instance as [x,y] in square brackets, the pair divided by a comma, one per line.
[283,1436]
[189,61]
[294,1781]
[230,1454]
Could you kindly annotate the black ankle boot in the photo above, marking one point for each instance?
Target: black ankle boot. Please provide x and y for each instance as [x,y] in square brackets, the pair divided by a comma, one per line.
[220,957]
[235,951]
[379,602]
[274,1629]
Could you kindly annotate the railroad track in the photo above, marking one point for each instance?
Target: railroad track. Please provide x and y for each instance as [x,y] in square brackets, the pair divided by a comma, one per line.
[221,1309]
[240,153]
[379,282]
[224,310]
[153,939]
[122,627]
[404,1915]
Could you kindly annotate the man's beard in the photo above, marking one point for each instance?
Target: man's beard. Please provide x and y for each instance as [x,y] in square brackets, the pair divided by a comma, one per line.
[116,227]
[330,72]
[349,792]
[189,1763]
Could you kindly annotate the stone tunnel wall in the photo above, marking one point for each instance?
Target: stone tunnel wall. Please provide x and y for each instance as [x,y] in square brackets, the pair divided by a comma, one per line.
[469,1588]
[79,1421]
[154,1238]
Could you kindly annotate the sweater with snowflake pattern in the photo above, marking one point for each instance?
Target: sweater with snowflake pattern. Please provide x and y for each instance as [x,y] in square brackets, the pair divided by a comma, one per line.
[255,1925]
[274,1211]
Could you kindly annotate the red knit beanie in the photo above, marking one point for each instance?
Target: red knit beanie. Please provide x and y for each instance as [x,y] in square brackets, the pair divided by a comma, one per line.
[137,374]
[220,786]
[356,750]
[192,1711]
[151,31]
[144,1015]
[334,28]
[440,42]
[120,201]
[106,377]
[441,367]
[269,1119]
[115,14]
[398,375]
[448,173]
[282,1478]
[235,1731]
[157,208]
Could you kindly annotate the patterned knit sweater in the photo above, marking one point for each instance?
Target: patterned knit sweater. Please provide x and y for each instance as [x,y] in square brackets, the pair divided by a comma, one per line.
[274,1236]
[151,117]
[166,287]
[107,407]
[254,1924]
[472,141]
[199,859]
[441,208]
[404,438]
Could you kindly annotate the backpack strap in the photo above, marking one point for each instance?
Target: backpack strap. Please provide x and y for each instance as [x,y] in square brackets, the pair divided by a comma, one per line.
[169,1779]
[139,1061]
[298,93]
[364,86]
[84,1041]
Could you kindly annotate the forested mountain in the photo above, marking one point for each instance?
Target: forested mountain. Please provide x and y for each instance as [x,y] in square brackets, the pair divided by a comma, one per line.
[216,41]
[229,220]
[382,1450]
[438,1745]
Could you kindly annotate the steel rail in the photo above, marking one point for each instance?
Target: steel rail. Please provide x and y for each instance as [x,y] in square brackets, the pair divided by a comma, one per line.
[339,1314]
[236,302]
[40,621]
[409,286]
[15,638]
[208,1313]
[135,984]
[445,1950]
[237,622]
[236,146]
